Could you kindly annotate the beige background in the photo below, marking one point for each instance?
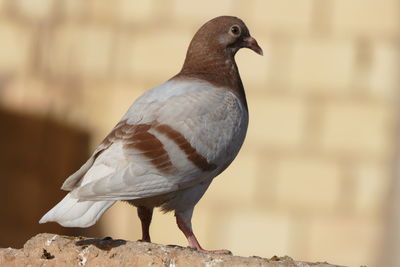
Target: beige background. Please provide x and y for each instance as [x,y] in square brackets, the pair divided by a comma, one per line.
[315,176]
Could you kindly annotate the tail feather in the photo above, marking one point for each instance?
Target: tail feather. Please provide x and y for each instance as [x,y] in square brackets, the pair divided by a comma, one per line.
[71,212]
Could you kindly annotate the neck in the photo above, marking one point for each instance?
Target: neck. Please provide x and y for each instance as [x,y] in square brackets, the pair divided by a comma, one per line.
[218,68]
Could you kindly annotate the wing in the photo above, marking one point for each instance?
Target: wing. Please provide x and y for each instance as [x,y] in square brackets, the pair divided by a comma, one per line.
[175,136]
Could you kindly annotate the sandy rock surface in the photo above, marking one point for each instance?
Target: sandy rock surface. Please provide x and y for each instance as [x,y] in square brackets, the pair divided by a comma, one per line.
[56,250]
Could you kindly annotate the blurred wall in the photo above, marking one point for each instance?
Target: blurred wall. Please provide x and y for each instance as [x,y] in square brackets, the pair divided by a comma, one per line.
[314,176]
[37,153]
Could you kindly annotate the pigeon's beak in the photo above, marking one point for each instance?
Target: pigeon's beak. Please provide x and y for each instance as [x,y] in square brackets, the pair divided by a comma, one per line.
[251,43]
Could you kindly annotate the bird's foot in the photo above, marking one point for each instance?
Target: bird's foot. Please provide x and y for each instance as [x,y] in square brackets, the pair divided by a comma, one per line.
[144,240]
[218,251]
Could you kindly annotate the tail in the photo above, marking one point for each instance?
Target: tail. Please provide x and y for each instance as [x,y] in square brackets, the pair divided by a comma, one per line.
[71,212]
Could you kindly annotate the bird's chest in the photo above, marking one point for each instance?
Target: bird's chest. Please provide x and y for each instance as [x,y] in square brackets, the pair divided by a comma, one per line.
[235,135]
[222,134]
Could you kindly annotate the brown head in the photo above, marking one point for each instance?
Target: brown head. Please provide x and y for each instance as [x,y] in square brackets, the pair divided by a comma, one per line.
[211,52]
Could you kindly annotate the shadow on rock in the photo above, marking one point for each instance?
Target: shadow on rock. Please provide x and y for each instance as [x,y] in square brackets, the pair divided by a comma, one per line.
[106,243]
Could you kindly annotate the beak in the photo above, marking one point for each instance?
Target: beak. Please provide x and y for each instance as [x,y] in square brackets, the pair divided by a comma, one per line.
[251,43]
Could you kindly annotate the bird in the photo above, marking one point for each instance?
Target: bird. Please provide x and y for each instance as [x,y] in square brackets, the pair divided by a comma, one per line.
[173,140]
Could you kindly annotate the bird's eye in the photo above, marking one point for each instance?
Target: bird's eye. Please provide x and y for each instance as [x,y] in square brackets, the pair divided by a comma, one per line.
[235,30]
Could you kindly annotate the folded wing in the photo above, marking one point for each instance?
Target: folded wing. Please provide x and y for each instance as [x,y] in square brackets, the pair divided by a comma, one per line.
[165,142]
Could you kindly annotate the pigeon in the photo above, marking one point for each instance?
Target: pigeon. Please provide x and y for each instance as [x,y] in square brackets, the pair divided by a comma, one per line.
[173,140]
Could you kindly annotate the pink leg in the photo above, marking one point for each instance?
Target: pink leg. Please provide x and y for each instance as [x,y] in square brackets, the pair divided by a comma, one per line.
[186,228]
[145,215]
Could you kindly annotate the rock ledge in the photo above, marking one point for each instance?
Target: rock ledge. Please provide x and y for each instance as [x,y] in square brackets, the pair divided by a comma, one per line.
[56,250]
